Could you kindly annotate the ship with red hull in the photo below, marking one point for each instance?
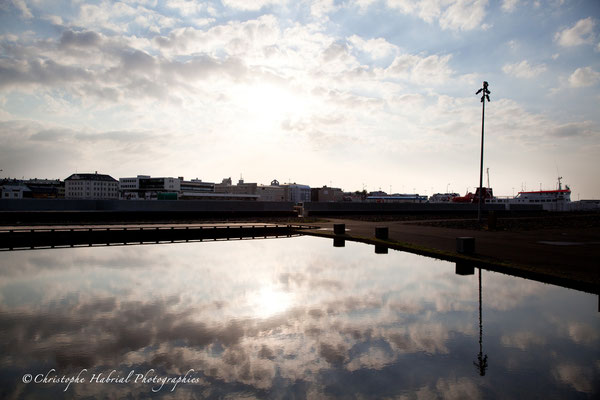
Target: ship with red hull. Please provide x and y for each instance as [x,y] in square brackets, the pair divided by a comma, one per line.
[550,200]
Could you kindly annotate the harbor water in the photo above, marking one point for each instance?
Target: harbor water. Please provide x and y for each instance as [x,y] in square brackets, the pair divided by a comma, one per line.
[285,318]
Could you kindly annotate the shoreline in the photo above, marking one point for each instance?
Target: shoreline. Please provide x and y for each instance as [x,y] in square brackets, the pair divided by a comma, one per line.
[550,248]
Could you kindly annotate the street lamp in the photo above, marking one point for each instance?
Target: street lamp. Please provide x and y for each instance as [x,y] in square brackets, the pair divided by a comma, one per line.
[485,96]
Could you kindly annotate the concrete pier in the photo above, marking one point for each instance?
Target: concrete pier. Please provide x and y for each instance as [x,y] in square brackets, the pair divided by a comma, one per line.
[71,236]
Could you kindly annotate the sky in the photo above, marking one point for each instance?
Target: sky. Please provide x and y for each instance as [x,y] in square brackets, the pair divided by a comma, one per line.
[373,94]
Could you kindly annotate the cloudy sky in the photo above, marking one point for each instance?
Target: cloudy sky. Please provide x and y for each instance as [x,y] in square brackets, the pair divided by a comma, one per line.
[354,93]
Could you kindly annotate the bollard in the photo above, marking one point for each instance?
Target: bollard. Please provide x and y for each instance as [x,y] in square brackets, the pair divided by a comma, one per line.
[380,249]
[465,245]
[381,232]
[339,229]
[464,269]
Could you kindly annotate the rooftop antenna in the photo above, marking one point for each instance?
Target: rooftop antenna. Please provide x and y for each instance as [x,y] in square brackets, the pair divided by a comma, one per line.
[485,96]
[487,171]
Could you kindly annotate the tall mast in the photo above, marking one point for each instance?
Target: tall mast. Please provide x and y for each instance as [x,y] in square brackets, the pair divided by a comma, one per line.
[485,96]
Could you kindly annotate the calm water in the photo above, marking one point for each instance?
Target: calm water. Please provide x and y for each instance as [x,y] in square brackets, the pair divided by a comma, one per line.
[285,318]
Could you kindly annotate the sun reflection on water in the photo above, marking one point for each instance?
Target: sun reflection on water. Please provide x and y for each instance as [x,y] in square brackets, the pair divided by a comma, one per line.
[269,301]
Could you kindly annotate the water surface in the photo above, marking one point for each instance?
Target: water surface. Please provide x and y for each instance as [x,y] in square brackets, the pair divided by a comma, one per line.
[285,318]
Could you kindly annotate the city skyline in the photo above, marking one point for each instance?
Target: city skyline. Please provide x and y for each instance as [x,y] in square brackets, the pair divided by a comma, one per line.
[373,93]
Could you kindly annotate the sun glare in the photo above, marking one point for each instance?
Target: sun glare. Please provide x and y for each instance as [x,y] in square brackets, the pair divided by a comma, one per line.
[267,105]
[269,301]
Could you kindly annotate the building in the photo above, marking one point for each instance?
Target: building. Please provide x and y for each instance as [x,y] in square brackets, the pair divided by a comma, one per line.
[195,189]
[144,187]
[270,193]
[326,194]
[46,188]
[357,197]
[397,198]
[241,188]
[91,186]
[219,196]
[196,185]
[14,190]
[296,193]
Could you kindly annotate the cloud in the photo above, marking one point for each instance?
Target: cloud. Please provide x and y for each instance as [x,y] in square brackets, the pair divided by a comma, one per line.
[186,7]
[334,354]
[575,129]
[363,5]
[523,340]
[79,39]
[22,7]
[249,5]
[36,71]
[524,70]
[118,17]
[248,38]
[581,33]
[509,5]
[464,15]
[581,379]
[376,48]
[428,70]
[29,143]
[583,333]
[54,19]
[320,8]
[583,77]
[459,15]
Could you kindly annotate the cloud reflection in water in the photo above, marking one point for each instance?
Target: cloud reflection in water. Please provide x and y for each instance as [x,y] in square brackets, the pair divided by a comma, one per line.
[284,318]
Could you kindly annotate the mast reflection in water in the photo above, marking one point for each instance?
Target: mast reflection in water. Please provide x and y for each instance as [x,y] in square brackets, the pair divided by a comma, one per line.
[286,318]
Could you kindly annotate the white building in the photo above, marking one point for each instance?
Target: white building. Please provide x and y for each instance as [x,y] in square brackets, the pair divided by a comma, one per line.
[91,186]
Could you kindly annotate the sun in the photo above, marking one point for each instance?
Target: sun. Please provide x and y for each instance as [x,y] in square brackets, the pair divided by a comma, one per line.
[266,105]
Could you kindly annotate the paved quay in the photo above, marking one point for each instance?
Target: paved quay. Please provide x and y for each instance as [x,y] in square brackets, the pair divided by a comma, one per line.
[564,253]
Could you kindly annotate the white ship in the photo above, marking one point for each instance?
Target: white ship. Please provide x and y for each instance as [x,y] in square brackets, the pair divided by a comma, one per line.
[550,200]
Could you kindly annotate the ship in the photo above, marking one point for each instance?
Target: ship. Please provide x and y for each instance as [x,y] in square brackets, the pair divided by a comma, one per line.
[474,197]
[558,199]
